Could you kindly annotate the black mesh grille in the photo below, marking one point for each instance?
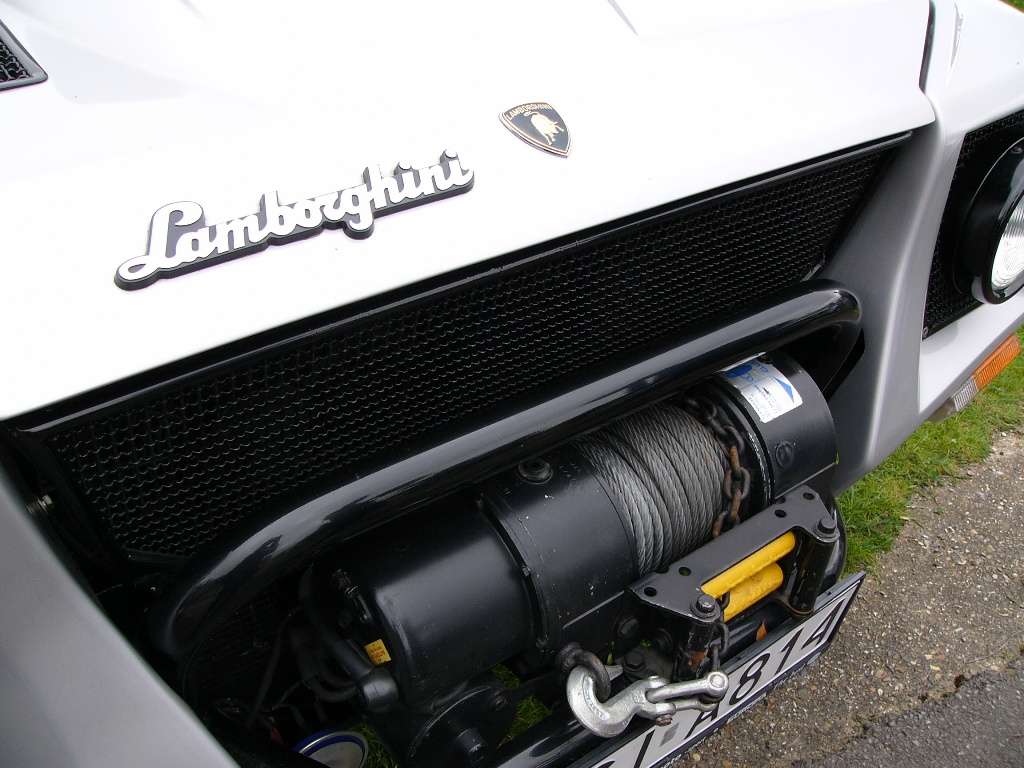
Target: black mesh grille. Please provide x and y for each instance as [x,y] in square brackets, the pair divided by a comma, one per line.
[944,303]
[981,148]
[167,473]
[11,67]
[231,663]
[17,68]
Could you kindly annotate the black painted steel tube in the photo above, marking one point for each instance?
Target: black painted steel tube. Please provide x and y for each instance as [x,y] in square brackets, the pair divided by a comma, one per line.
[240,563]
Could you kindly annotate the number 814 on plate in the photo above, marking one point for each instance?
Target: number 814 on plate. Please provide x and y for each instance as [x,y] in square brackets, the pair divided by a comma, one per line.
[752,674]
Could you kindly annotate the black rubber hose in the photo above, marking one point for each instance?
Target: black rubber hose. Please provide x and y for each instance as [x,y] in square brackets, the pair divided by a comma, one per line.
[268,674]
[324,671]
[355,664]
[301,641]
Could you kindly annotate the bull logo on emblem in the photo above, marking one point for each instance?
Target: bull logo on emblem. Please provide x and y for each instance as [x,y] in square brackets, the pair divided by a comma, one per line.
[539,125]
[545,126]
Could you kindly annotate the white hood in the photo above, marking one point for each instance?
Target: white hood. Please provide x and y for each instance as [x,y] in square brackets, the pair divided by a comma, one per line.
[219,103]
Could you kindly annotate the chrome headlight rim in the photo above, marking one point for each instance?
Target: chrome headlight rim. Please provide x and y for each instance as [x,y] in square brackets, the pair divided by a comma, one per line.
[996,212]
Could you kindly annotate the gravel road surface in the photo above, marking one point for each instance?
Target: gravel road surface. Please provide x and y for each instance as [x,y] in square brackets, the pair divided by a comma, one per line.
[928,652]
[982,725]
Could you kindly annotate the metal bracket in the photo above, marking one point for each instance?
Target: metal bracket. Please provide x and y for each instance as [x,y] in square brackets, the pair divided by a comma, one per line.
[654,698]
[676,591]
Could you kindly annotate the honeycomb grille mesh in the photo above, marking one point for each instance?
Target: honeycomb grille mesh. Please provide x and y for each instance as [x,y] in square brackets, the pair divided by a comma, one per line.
[231,663]
[11,67]
[167,473]
[980,149]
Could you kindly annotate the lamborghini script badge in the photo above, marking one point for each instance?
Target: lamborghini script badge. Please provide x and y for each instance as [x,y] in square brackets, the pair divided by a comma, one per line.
[180,240]
[539,125]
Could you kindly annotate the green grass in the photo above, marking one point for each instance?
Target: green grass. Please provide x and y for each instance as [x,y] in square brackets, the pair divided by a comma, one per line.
[875,508]
[377,756]
[529,711]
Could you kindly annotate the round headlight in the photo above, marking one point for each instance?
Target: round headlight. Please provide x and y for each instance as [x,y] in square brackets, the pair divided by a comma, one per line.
[991,242]
[1008,262]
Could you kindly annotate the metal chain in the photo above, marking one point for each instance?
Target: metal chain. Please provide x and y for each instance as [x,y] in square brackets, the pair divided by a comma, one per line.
[736,483]
[720,645]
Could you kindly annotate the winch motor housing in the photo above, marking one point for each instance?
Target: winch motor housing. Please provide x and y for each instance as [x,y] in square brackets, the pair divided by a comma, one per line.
[546,556]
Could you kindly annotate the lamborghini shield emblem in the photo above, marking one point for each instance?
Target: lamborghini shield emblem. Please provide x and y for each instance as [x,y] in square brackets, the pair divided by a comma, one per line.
[539,125]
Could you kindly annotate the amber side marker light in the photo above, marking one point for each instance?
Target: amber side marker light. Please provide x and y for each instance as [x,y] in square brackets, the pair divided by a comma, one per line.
[983,374]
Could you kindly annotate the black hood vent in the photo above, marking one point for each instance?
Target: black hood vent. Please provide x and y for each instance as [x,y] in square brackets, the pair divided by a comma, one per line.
[16,66]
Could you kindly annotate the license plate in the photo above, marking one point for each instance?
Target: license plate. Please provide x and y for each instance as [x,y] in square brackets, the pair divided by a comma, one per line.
[752,675]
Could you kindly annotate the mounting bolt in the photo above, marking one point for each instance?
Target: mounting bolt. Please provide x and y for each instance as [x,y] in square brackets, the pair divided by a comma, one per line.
[826,526]
[785,452]
[535,471]
[471,745]
[662,642]
[339,580]
[629,628]
[41,507]
[498,702]
[633,662]
[705,606]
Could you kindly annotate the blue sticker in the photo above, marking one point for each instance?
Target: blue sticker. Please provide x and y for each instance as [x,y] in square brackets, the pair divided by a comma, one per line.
[738,371]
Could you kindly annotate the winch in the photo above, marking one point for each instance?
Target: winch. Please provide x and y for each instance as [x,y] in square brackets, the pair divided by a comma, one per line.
[666,541]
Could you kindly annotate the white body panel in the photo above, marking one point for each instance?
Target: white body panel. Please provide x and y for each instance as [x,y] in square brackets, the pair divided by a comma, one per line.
[220,102]
[888,256]
[218,112]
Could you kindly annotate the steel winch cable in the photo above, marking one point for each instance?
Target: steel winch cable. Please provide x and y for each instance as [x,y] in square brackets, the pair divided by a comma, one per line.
[665,469]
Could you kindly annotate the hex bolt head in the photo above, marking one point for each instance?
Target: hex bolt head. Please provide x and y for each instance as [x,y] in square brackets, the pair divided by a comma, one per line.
[634,661]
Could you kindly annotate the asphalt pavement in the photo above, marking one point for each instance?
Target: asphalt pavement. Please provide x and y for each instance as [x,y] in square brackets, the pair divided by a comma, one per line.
[981,724]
